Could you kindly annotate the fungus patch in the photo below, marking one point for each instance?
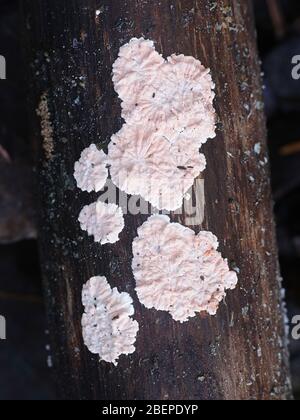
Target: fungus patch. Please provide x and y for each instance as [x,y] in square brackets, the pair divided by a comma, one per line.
[178,271]
[91,170]
[107,325]
[145,163]
[103,221]
[168,110]
[176,95]
[137,65]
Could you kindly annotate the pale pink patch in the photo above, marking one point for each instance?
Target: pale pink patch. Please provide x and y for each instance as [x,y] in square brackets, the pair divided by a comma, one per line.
[145,163]
[179,272]
[103,221]
[107,325]
[91,170]
[168,109]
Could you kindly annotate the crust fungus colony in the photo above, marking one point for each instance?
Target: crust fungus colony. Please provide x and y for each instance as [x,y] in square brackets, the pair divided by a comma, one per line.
[178,271]
[91,170]
[145,163]
[168,110]
[108,329]
[102,221]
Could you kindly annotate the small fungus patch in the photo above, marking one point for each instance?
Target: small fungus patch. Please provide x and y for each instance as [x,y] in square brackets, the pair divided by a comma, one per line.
[103,221]
[91,170]
[107,325]
[138,62]
[178,271]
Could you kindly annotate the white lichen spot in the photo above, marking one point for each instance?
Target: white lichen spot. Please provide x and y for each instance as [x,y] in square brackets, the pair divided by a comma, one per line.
[103,221]
[145,163]
[46,126]
[257,148]
[91,170]
[178,271]
[107,325]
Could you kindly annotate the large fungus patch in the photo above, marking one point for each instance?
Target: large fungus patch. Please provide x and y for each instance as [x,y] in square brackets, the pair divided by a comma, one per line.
[178,271]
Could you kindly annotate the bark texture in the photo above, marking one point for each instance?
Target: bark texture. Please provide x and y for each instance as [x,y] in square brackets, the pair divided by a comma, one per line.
[239,354]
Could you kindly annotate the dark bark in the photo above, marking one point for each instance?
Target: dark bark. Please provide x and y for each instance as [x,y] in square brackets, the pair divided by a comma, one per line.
[239,354]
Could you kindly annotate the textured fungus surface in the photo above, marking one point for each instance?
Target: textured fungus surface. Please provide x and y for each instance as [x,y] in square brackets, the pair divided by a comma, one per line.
[178,271]
[103,221]
[91,170]
[176,95]
[168,109]
[145,163]
[107,326]
[137,64]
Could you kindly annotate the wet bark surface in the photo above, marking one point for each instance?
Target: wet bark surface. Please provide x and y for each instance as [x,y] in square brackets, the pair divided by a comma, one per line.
[239,354]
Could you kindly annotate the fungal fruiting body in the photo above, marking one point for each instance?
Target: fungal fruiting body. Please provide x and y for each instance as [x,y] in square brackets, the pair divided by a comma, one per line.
[91,170]
[103,221]
[176,94]
[107,324]
[145,163]
[168,110]
[138,62]
[178,271]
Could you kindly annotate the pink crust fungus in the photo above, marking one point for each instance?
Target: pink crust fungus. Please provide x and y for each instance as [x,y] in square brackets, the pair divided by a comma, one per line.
[178,271]
[168,110]
[176,94]
[138,62]
[107,326]
[103,221]
[91,170]
[145,163]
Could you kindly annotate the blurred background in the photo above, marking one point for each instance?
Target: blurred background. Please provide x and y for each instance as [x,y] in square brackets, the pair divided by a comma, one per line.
[25,361]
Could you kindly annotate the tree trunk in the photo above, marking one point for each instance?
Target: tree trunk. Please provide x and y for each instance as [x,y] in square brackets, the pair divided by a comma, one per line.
[241,353]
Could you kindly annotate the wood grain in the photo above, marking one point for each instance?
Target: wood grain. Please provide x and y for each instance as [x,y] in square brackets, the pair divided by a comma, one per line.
[241,353]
